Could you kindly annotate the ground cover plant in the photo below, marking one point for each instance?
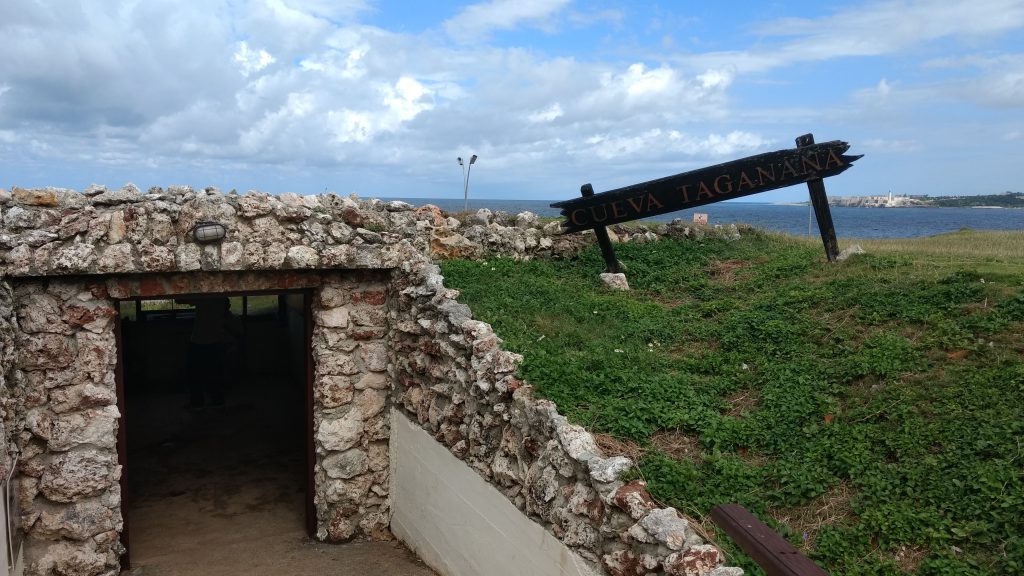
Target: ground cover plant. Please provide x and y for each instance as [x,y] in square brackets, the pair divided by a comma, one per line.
[872,411]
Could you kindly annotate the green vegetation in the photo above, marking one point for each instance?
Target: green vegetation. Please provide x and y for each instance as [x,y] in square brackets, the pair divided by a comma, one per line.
[871,411]
[1005,200]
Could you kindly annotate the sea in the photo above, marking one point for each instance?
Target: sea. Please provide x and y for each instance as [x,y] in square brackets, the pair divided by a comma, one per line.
[795,219]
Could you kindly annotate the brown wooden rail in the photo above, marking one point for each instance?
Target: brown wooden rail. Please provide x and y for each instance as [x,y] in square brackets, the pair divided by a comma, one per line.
[771,552]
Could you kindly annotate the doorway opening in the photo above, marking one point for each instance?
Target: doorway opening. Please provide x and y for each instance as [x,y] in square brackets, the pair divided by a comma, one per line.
[216,435]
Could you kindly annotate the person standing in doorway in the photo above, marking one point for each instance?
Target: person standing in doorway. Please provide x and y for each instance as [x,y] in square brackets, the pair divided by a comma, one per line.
[212,333]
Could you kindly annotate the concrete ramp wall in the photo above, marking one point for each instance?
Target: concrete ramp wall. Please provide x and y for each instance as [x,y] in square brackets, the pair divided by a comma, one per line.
[459,524]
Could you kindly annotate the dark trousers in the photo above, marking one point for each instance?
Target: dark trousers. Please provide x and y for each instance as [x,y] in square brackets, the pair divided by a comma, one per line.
[205,369]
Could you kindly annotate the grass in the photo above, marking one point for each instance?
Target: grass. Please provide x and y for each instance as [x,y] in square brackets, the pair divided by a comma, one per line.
[871,411]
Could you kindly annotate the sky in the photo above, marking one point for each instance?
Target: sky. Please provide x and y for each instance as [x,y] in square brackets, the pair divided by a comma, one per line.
[379,97]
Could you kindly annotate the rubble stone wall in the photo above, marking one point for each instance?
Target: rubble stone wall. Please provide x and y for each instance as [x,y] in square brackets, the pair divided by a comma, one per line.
[386,332]
[452,376]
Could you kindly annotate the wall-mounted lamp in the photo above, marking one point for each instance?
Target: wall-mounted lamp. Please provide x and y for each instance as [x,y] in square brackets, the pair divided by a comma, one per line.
[207,232]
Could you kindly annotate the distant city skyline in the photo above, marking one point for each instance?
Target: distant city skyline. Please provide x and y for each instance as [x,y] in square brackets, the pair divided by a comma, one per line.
[379,97]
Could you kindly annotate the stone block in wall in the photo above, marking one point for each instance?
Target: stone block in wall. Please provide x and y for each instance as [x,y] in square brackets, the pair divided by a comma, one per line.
[301,257]
[76,258]
[41,313]
[69,559]
[333,318]
[340,433]
[348,464]
[46,351]
[155,258]
[374,380]
[369,402]
[333,391]
[81,396]
[97,353]
[95,426]
[334,363]
[187,258]
[374,356]
[77,521]
[75,475]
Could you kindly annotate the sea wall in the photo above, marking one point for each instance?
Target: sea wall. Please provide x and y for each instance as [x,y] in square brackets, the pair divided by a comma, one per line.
[387,333]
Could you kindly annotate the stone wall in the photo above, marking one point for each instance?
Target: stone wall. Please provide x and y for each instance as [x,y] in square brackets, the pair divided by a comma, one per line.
[395,336]
[64,379]
[351,402]
[451,375]
[12,412]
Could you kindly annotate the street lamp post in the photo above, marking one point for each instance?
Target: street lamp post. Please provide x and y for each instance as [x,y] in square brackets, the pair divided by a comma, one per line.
[465,181]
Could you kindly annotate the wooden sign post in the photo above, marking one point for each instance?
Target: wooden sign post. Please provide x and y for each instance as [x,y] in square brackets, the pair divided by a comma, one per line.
[808,163]
[822,213]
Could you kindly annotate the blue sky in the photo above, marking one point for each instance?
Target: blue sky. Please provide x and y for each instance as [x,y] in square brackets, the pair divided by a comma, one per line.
[380,97]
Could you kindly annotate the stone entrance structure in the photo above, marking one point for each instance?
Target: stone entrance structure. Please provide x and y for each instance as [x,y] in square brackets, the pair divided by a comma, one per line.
[388,341]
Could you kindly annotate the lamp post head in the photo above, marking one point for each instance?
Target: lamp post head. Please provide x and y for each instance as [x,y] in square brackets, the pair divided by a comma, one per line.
[460,161]
[472,159]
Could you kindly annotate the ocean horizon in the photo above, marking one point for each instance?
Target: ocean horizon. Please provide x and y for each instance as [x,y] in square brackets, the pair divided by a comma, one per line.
[790,218]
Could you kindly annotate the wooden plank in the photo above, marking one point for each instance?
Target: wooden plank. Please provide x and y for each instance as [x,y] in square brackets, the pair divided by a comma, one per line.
[822,212]
[611,262]
[726,181]
[771,552]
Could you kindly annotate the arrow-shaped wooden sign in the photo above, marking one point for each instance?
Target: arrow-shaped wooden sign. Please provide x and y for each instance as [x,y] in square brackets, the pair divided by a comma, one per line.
[726,181]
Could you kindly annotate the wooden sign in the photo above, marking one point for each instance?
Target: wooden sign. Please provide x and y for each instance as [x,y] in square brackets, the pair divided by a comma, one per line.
[727,181]
[807,163]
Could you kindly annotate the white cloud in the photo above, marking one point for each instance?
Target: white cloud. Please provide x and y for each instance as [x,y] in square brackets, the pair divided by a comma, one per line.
[872,29]
[405,100]
[349,126]
[992,81]
[335,10]
[548,114]
[669,142]
[715,79]
[477,21]
[252,61]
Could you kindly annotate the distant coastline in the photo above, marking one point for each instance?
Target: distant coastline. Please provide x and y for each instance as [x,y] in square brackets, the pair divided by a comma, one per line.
[832,203]
[989,201]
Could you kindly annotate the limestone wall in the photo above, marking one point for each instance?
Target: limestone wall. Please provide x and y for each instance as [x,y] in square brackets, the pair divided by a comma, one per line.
[451,375]
[396,336]
[351,395]
[12,412]
[64,380]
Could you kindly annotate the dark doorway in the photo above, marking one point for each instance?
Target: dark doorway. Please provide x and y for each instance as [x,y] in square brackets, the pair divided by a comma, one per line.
[215,446]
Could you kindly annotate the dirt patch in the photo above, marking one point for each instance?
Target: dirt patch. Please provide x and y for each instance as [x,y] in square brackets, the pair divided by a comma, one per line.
[742,402]
[832,507]
[752,458]
[957,354]
[729,271]
[678,445]
[673,443]
[612,446]
[908,558]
